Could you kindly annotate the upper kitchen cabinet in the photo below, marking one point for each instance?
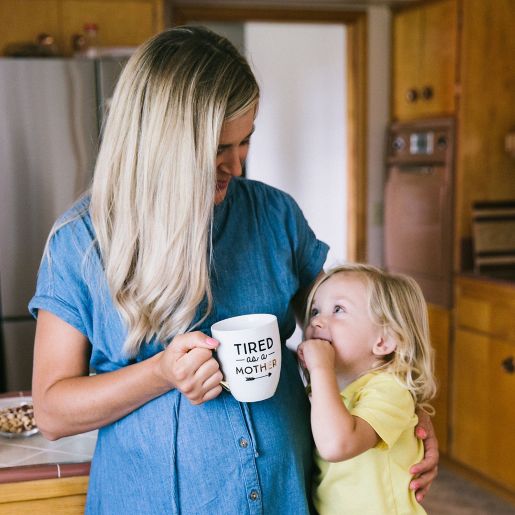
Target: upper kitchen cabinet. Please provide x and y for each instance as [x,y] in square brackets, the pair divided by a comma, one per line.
[123,23]
[424,60]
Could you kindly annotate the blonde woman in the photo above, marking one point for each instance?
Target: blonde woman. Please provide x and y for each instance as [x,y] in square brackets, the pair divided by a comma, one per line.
[371,366]
[170,240]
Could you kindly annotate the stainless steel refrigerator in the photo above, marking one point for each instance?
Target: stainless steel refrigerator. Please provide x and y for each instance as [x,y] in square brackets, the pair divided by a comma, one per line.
[51,112]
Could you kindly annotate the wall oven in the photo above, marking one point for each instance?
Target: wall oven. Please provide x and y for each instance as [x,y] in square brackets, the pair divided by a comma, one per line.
[418,205]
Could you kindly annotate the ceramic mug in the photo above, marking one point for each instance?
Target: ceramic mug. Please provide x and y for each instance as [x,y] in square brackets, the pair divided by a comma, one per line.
[249,355]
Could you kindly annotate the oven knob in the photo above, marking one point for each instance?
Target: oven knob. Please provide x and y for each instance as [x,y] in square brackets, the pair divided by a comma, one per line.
[441,143]
[398,144]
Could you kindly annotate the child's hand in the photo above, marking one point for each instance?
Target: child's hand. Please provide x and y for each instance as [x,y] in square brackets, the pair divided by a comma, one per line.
[316,354]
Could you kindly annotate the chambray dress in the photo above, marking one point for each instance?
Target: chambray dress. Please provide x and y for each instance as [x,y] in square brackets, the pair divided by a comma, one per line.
[222,457]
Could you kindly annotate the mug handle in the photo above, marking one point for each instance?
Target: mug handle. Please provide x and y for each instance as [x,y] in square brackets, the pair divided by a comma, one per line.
[225,386]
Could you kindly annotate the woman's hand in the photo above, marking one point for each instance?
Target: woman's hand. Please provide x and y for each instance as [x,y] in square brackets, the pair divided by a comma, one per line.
[316,354]
[426,470]
[188,364]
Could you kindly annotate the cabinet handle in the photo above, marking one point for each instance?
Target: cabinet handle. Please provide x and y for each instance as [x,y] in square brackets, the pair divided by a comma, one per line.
[411,95]
[427,92]
[508,365]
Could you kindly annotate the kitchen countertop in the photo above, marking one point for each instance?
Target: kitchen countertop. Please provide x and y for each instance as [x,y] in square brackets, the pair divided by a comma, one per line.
[506,277]
[34,457]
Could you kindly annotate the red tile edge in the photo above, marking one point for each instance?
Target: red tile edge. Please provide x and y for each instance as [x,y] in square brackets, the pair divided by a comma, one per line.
[44,471]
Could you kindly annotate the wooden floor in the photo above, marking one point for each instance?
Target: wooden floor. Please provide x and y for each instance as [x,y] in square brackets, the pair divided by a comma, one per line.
[453,493]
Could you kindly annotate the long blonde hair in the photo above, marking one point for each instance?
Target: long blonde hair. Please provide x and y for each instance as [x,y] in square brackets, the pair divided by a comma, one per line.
[397,304]
[154,185]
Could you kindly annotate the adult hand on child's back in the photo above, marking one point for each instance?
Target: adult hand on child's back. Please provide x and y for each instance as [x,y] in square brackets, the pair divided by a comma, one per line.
[188,365]
[426,470]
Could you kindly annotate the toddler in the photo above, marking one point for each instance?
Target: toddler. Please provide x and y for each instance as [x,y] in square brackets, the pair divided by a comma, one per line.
[370,364]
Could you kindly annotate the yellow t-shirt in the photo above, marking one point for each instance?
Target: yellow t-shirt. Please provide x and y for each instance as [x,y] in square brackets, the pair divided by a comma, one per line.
[376,481]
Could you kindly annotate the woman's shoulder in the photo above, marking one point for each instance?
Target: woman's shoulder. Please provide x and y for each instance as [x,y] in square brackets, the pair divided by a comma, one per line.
[74,225]
[256,187]
[261,192]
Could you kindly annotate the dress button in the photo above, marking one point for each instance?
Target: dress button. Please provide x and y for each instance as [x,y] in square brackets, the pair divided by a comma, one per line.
[254,496]
[244,443]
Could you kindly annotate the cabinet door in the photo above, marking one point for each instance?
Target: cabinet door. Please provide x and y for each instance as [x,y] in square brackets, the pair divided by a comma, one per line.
[483,405]
[470,400]
[120,22]
[407,34]
[501,463]
[23,20]
[438,59]
[424,59]
[439,326]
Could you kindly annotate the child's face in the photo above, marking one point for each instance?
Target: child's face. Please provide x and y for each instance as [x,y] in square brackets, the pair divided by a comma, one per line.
[339,314]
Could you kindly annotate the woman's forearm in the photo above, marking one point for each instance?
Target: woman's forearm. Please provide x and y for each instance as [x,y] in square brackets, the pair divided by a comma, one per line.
[75,405]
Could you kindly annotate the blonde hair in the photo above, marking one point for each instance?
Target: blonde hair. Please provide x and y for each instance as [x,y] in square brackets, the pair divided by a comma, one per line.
[154,185]
[397,304]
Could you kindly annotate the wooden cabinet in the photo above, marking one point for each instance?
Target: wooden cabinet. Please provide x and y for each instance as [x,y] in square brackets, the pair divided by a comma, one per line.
[44,497]
[464,51]
[120,22]
[439,327]
[486,113]
[424,60]
[483,413]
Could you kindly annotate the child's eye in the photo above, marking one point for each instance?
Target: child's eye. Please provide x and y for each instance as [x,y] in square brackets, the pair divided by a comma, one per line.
[313,312]
[339,309]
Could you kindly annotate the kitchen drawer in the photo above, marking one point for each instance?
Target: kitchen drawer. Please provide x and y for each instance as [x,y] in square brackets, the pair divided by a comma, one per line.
[486,307]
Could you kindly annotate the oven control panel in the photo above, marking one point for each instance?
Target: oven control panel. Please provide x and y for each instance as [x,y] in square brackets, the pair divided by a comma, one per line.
[411,143]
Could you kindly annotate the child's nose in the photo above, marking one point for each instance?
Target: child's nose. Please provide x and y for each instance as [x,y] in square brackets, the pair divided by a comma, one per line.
[317,321]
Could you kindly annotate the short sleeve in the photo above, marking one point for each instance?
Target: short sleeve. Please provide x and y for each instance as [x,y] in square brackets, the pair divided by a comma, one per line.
[60,287]
[310,252]
[387,406]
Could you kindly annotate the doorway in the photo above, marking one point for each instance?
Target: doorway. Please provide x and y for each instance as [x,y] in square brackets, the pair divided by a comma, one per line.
[353,152]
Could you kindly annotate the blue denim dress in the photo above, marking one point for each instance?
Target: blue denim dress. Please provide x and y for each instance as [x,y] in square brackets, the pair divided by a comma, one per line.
[222,457]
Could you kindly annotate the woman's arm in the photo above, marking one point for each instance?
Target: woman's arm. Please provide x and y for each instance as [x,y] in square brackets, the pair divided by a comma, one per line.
[425,471]
[300,299]
[338,435]
[68,401]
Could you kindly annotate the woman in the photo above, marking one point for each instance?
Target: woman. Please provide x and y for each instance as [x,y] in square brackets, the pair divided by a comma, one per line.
[135,274]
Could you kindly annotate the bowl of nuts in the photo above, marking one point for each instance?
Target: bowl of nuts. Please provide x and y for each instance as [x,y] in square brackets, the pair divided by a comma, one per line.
[17,417]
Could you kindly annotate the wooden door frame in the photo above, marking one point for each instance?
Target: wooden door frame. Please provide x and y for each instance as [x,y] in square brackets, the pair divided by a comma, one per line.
[356,24]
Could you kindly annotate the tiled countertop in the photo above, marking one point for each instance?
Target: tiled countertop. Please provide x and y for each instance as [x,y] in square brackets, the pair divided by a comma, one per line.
[35,457]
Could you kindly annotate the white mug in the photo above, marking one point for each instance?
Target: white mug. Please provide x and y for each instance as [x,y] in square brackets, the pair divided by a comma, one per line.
[249,355]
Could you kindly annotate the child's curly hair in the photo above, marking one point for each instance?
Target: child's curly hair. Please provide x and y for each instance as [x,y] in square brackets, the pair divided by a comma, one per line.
[396,303]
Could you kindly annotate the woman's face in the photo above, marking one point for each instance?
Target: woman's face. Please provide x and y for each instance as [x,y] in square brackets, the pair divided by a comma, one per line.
[232,151]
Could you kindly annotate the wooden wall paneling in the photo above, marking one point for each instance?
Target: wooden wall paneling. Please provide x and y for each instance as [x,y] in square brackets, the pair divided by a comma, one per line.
[487,106]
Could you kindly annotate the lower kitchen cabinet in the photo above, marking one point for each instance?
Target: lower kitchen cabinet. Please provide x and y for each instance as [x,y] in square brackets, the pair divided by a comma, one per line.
[483,402]
[65,496]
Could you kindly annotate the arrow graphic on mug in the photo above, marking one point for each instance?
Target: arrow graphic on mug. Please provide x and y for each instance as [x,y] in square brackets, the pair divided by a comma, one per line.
[258,377]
